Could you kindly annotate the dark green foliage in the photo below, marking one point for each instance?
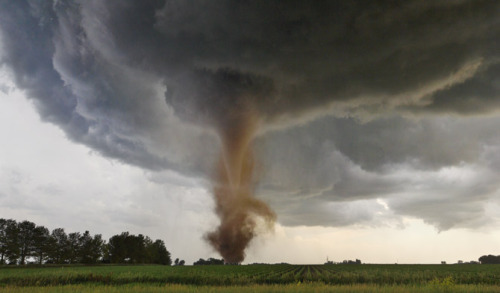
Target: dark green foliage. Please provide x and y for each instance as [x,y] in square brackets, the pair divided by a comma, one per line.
[352,262]
[74,247]
[24,241]
[9,248]
[159,253]
[3,240]
[117,248]
[127,248]
[41,244]
[90,248]
[210,261]
[60,250]
[489,259]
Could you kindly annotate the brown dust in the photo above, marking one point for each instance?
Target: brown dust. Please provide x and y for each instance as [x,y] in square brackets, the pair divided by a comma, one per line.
[234,183]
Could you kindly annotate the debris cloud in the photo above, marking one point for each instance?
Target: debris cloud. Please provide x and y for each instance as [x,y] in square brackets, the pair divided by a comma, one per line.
[234,182]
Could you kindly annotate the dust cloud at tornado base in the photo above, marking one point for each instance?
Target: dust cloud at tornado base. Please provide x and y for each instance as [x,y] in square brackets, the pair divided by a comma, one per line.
[234,183]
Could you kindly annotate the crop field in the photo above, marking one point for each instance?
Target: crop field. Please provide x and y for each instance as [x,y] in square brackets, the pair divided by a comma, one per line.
[253,278]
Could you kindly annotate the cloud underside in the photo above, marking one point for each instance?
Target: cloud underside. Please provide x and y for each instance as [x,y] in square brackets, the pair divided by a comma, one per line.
[368,112]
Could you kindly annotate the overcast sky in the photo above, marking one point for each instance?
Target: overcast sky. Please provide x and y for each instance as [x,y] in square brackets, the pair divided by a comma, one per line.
[378,134]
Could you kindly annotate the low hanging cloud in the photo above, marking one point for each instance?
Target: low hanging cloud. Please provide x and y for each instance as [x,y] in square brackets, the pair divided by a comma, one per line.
[348,94]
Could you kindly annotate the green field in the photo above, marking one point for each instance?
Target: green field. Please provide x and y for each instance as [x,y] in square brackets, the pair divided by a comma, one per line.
[253,278]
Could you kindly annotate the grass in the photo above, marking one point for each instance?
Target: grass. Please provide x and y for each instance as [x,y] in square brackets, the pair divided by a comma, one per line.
[311,287]
[253,278]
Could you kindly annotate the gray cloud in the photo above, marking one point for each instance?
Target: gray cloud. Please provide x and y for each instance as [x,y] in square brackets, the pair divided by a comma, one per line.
[348,92]
[418,166]
[478,94]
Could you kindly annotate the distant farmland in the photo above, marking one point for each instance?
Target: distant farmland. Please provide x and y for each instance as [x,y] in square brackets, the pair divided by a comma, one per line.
[298,278]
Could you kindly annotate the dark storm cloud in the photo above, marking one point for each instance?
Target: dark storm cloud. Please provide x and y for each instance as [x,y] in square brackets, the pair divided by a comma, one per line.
[316,54]
[123,77]
[334,147]
[286,57]
[93,98]
[440,169]
[478,94]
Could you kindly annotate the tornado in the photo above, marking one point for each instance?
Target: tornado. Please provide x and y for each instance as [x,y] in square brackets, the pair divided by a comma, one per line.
[234,181]
[231,103]
[144,82]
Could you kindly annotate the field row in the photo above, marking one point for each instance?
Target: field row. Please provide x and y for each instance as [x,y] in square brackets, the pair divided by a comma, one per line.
[289,288]
[253,275]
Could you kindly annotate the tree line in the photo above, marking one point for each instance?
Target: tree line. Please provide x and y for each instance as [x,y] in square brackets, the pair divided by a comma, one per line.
[25,242]
[489,259]
[210,261]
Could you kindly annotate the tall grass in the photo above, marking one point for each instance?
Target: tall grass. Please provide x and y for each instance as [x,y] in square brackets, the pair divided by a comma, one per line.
[439,277]
[308,287]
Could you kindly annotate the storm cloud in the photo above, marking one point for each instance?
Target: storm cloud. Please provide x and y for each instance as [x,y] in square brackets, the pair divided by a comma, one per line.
[356,101]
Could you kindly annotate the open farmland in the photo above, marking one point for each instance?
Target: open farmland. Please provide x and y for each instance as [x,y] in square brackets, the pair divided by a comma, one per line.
[283,277]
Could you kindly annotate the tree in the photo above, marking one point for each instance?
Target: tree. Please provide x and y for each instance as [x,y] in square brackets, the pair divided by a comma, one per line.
[11,243]
[137,249]
[4,224]
[210,261]
[21,242]
[41,241]
[97,248]
[26,240]
[106,257]
[489,259]
[117,248]
[73,247]
[147,244]
[60,252]
[352,262]
[178,262]
[159,253]
[90,248]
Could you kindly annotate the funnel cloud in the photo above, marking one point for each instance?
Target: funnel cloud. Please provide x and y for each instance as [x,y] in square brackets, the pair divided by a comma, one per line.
[239,211]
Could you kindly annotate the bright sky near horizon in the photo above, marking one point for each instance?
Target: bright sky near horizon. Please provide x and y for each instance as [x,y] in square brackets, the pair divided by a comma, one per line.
[379,135]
